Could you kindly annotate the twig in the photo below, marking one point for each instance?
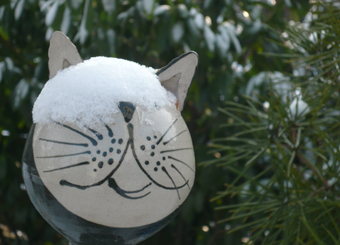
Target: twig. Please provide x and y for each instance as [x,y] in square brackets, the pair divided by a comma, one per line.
[304,161]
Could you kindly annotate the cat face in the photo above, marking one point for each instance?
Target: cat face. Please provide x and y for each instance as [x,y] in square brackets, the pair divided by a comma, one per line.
[133,170]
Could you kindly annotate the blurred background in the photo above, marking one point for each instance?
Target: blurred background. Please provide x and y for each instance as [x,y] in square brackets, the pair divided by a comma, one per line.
[232,38]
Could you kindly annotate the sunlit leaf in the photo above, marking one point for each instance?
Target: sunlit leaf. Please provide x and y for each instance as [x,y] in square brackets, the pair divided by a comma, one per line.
[210,38]
[193,27]
[49,33]
[235,41]
[222,45]
[2,70]
[109,5]
[76,3]
[161,9]
[66,22]
[177,32]
[224,35]
[183,11]
[20,92]
[83,32]
[18,9]
[199,20]
[148,6]
[111,36]
[51,13]
[207,3]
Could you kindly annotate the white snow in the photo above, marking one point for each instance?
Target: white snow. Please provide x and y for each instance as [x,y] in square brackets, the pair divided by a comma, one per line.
[298,108]
[89,93]
[177,32]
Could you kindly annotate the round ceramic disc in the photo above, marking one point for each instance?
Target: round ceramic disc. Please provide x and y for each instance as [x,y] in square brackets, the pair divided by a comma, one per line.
[127,174]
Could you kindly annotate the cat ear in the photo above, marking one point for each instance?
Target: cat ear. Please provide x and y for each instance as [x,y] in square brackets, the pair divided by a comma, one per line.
[177,76]
[62,53]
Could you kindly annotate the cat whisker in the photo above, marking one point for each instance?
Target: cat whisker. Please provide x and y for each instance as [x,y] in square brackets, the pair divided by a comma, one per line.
[65,143]
[159,141]
[164,143]
[164,170]
[109,130]
[68,155]
[70,166]
[180,149]
[93,141]
[181,175]
[83,187]
[99,135]
[172,158]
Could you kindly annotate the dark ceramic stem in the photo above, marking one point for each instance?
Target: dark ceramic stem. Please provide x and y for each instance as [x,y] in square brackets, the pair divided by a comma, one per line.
[111,243]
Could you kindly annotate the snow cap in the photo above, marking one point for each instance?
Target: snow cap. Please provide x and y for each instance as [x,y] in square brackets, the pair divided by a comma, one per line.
[89,92]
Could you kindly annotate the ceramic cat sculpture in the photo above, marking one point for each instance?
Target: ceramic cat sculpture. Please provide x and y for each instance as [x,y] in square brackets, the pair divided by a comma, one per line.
[109,158]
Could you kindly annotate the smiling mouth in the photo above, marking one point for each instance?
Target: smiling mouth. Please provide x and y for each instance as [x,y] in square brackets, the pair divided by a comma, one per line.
[113,184]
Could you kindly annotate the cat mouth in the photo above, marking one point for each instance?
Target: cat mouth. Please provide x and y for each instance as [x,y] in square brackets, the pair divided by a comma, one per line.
[113,184]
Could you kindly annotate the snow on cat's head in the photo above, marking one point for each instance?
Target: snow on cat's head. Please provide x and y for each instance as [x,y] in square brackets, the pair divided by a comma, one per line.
[92,90]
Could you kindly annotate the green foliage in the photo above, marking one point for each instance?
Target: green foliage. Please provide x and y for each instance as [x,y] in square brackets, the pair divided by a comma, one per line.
[229,37]
[285,154]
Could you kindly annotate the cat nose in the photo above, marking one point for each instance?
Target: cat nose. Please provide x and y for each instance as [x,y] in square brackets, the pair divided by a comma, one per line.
[127,110]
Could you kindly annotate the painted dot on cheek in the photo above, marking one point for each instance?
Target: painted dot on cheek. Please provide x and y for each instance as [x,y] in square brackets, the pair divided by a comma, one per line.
[113,141]
[153,147]
[155,169]
[152,154]
[147,162]
[163,158]
[100,164]
[118,151]
[158,163]
[104,154]
[111,149]
[148,138]
[120,141]
[155,137]
[94,159]
[142,147]
[94,170]
[98,152]
[110,161]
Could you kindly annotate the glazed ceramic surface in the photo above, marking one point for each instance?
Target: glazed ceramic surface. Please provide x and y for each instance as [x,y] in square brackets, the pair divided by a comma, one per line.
[118,181]
[126,174]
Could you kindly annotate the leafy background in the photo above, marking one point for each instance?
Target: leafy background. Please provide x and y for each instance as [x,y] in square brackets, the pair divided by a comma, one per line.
[235,41]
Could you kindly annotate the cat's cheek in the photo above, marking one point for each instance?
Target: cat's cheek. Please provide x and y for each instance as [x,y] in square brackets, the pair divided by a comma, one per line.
[72,154]
[164,150]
